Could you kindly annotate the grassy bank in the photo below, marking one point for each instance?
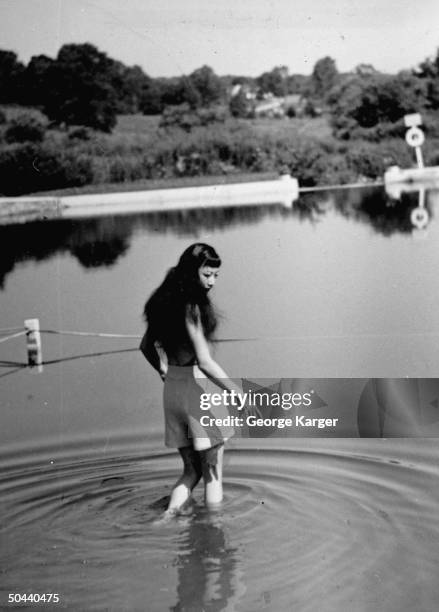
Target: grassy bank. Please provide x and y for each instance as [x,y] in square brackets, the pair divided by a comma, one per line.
[139,154]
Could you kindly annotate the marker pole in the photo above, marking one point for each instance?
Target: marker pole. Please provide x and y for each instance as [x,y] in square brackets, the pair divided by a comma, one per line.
[33,344]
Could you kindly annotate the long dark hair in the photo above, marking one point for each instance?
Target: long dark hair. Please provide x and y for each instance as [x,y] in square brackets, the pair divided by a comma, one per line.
[181,294]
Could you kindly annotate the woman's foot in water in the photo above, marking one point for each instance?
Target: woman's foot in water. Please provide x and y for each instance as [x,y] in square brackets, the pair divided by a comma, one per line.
[166,517]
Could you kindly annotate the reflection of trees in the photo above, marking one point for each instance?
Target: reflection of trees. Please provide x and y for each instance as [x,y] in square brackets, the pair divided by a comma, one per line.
[208,568]
[375,209]
[30,241]
[372,206]
[95,242]
[96,254]
[192,221]
[101,241]
[368,205]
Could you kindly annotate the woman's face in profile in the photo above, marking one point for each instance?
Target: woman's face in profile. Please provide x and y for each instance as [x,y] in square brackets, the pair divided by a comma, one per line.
[207,276]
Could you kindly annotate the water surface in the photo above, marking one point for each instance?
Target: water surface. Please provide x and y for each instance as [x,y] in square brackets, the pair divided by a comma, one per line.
[342,286]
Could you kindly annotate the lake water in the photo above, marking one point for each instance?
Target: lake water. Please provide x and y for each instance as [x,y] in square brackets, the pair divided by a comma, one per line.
[340,286]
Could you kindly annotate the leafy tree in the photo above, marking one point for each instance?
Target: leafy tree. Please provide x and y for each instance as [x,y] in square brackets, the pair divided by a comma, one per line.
[150,102]
[35,80]
[207,84]
[239,106]
[274,81]
[11,73]
[297,83]
[129,84]
[178,91]
[324,76]
[81,90]
[366,103]
[429,72]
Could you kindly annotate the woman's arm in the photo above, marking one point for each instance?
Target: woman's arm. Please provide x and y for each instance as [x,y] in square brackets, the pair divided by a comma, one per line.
[205,361]
[151,354]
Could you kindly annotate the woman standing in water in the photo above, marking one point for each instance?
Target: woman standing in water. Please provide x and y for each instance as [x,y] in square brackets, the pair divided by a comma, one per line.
[180,322]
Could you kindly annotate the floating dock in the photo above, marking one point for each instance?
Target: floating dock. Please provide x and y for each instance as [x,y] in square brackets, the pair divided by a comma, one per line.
[280,191]
[401,180]
[283,191]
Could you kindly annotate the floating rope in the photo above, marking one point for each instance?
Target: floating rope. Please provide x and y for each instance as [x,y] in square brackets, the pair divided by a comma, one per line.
[94,334]
[7,330]
[128,336]
[62,332]
[21,333]
[344,186]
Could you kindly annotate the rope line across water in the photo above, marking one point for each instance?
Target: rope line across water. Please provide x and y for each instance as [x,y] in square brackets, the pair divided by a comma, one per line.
[21,333]
[344,186]
[248,339]
[95,334]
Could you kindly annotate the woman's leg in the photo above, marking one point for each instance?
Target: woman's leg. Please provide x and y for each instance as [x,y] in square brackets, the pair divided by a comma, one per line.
[213,475]
[192,472]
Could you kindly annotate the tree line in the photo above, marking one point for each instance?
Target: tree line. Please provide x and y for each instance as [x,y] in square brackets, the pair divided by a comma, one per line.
[84,86]
[55,138]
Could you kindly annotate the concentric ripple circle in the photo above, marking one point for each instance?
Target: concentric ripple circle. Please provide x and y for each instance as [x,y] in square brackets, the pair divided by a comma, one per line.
[316,524]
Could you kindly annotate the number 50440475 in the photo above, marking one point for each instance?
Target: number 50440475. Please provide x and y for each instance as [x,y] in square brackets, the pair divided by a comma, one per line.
[33,598]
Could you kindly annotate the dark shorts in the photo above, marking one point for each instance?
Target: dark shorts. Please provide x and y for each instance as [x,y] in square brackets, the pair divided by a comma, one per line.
[181,401]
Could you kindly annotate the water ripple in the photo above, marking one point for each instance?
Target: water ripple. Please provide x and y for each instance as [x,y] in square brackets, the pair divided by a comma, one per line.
[298,526]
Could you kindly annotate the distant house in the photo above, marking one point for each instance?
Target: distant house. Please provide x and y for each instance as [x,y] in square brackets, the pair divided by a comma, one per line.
[245,89]
[269,105]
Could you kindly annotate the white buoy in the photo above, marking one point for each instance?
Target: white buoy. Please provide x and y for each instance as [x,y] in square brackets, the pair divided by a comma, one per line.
[401,180]
[33,344]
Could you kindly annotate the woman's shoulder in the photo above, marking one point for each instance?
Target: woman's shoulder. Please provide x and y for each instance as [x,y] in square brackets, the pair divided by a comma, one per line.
[192,312]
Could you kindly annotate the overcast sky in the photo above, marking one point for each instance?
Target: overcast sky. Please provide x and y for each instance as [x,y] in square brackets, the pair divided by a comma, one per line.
[247,37]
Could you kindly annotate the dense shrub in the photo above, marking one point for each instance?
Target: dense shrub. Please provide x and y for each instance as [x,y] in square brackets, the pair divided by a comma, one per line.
[76,170]
[371,160]
[80,133]
[27,168]
[240,106]
[25,127]
[21,172]
[291,112]
[366,161]
[187,118]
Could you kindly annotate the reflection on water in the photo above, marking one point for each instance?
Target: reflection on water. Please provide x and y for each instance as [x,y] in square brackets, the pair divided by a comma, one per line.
[306,524]
[102,241]
[209,575]
[96,242]
[399,408]
[316,525]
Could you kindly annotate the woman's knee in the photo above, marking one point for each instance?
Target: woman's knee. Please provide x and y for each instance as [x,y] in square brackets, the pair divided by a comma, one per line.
[192,463]
[211,462]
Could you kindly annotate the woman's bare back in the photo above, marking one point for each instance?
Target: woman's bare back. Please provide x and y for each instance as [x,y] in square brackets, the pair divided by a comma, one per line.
[182,356]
